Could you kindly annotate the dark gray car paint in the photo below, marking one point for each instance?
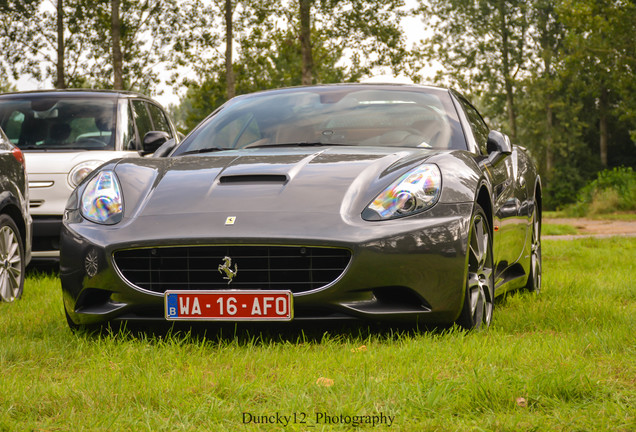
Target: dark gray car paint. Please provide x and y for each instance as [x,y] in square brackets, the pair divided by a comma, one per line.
[306,209]
[14,193]
[308,196]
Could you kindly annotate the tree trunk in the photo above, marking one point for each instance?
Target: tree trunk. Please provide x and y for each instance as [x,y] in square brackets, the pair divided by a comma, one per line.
[60,81]
[229,70]
[305,42]
[603,108]
[549,116]
[549,142]
[505,54]
[118,82]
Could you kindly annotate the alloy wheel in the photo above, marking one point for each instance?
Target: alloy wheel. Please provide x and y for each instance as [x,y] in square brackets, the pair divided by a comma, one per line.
[11,262]
[478,304]
[534,279]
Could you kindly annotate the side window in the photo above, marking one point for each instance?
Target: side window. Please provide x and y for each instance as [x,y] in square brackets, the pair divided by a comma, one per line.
[159,119]
[142,118]
[478,126]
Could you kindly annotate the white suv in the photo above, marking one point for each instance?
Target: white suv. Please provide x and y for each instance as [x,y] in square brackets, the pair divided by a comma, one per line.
[65,134]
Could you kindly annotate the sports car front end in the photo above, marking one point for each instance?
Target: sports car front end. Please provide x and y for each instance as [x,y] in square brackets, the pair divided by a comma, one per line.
[296,220]
[377,202]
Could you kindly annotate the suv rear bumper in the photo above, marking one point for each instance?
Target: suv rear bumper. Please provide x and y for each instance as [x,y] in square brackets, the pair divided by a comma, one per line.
[46,236]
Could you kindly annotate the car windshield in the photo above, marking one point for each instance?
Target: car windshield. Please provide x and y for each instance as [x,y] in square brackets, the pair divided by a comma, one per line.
[59,123]
[338,115]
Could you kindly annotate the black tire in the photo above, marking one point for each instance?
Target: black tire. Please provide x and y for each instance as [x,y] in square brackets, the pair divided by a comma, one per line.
[478,307]
[534,276]
[12,264]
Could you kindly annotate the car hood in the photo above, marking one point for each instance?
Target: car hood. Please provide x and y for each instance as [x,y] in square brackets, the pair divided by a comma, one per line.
[263,180]
[56,162]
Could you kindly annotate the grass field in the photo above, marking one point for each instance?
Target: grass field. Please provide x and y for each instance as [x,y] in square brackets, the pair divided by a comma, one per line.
[563,360]
[625,216]
[558,229]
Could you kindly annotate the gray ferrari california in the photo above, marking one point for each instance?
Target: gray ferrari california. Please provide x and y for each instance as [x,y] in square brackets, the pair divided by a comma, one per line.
[362,201]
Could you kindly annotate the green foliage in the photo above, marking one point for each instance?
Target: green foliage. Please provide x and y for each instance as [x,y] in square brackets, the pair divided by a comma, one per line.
[5,86]
[562,185]
[267,60]
[482,46]
[348,39]
[562,360]
[613,190]
[17,21]
[269,54]
[148,29]
[570,84]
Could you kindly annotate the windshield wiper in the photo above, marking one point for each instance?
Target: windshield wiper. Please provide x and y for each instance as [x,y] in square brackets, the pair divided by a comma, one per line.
[205,150]
[297,144]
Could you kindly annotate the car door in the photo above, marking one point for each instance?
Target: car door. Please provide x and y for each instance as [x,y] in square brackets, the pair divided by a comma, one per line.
[509,225]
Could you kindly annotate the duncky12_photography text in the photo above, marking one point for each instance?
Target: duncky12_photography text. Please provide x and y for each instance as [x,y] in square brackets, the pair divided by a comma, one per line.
[318,418]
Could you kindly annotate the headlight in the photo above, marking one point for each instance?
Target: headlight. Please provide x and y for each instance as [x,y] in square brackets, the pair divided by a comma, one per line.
[415,191]
[102,201]
[81,170]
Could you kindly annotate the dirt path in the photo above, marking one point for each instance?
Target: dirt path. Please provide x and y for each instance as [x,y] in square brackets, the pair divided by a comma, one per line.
[594,228]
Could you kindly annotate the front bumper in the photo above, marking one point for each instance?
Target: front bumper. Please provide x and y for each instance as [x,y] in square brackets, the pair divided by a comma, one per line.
[407,269]
[46,236]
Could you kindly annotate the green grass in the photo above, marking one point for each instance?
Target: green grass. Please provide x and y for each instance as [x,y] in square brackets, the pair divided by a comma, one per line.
[558,229]
[563,360]
[623,216]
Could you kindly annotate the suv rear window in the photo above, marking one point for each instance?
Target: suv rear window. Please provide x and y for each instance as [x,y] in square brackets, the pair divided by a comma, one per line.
[57,123]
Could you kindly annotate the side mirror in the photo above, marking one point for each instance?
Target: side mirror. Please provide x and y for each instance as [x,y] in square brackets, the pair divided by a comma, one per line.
[152,141]
[165,149]
[498,146]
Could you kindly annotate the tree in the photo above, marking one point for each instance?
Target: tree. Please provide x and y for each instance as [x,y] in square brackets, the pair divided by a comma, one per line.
[482,45]
[15,16]
[267,59]
[115,33]
[60,79]
[139,37]
[48,40]
[229,34]
[600,48]
[6,86]
[305,41]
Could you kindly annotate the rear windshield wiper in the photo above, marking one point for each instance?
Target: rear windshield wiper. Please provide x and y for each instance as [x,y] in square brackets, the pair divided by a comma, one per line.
[205,150]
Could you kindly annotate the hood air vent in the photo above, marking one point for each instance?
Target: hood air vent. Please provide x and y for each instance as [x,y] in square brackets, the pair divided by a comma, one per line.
[254,178]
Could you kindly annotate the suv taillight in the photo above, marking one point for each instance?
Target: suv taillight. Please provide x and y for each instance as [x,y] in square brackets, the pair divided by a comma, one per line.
[17,154]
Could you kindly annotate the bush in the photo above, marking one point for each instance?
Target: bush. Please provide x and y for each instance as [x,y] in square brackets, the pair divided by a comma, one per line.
[613,190]
[560,185]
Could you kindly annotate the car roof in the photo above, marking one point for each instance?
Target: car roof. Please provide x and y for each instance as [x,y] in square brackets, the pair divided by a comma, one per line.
[343,86]
[71,93]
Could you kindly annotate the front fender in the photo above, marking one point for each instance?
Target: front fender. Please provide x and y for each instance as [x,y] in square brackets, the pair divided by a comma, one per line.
[461,177]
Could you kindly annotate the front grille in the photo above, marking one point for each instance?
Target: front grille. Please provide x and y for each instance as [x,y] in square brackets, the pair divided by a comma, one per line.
[297,269]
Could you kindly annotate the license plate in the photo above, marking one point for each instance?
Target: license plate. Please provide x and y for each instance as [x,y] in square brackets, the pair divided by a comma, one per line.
[229,305]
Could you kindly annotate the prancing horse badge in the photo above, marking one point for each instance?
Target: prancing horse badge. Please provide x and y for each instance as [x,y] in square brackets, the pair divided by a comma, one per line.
[226,268]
